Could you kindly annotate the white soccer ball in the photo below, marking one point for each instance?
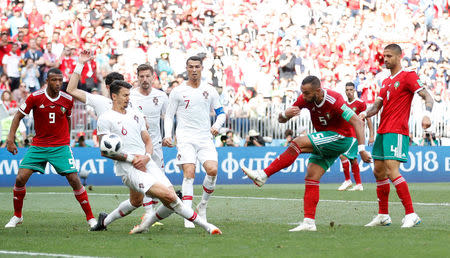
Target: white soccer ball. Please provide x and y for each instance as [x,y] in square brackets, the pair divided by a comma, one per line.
[111,143]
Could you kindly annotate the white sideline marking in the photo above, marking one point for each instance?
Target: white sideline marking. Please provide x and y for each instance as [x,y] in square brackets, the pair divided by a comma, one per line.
[258,198]
[44,254]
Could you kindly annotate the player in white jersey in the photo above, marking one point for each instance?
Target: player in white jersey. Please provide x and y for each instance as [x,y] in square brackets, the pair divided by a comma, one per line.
[134,159]
[152,103]
[192,103]
[101,104]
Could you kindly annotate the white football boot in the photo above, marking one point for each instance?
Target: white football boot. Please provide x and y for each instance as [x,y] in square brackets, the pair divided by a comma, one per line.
[259,177]
[411,220]
[14,221]
[213,230]
[380,220]
[307,225]
[92,222]
[357,187]
[346,185]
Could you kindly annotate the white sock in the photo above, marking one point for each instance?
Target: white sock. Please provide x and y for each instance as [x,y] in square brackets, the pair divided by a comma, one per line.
[123,210]
[209,184]
[161,213]
[188,213]
[149,204]
[187,188]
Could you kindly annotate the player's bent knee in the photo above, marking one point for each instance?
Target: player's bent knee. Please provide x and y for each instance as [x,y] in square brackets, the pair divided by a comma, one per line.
[168,197]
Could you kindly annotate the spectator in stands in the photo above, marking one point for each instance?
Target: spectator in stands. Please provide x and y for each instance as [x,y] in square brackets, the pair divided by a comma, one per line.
[289,136]
[254,139]
[20,94]
[11,63]
[30,75]
[8,102]
[4,83]
[80,141]
[50,60]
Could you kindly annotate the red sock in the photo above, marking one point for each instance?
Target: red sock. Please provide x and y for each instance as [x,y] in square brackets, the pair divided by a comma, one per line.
[383,189]
[403,194]
[82,198]
[346,167]
[355,171]
[19,195]
[311,198]
[284,160]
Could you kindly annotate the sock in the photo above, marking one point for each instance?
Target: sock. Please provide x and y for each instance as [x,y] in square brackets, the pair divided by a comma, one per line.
[284,160]
[383,189]
[355,171]
[18,196]
[188,213]
[209,184]
[161,213]
[149,204]
[346,167]
[311,198]
[82,197]
[187,188]
[123,210]
[403,194]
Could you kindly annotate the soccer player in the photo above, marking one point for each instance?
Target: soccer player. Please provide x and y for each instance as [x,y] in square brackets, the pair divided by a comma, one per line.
[192,102]
[357,106]
[333,121]
[152,103]
[52,109]
[134,164]
[392,141]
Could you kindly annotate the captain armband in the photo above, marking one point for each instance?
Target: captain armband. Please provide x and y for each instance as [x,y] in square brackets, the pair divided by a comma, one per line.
[348,112]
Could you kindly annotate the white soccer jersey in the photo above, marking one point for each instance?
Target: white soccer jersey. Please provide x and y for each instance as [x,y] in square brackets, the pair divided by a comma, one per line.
[153,106]
[100,103]
[128,126]
[192,107]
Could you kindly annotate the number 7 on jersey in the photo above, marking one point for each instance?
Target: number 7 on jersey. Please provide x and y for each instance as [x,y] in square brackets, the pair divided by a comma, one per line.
[187,103]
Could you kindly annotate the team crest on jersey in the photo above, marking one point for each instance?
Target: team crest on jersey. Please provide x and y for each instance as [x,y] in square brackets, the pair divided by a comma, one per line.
[155,101]
[179,156]
[205,94]
[136,118]
[141,185]
[396,84]
[354,109]
[63,110]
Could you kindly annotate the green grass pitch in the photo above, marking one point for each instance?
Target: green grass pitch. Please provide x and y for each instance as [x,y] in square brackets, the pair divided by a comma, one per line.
[254,221]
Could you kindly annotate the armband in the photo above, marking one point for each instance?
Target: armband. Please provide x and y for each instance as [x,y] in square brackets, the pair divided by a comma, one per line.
[348,112]
[219,111]
[130,158]
[361,147]
[78,68]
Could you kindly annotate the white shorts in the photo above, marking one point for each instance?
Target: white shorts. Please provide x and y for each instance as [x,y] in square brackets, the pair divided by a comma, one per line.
[141,181]
[157,156]
[201,150]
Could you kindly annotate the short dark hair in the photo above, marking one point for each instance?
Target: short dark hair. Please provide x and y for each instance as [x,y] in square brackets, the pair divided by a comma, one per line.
[195,58]
[144,67]
[117,85]
[315,82]
[112,77]
[53,71]
[351,84]
[394,47]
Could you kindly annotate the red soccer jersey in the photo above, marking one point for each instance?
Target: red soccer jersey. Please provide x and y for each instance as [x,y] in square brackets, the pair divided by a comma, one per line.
[50,118]
[327,116]
[397,93]
[357,106]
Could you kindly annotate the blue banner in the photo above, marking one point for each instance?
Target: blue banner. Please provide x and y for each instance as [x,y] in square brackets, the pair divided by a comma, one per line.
[425,164]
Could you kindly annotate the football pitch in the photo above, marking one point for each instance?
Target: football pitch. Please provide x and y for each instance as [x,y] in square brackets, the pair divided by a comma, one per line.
[254,221]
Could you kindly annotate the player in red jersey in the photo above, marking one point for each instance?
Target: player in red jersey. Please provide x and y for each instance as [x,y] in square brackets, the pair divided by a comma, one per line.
[52,109]
[392,141]
[357,106]
[333,121]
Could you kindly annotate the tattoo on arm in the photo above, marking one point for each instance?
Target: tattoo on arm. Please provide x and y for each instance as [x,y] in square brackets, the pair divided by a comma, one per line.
[115,156]
[428,99]
[373,110]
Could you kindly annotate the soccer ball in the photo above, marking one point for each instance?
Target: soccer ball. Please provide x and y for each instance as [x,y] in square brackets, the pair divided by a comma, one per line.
[111,143]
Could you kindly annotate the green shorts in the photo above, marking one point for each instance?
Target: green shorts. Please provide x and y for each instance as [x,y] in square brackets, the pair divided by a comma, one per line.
[391,146]
[61,158]
[352,153]
[328,146]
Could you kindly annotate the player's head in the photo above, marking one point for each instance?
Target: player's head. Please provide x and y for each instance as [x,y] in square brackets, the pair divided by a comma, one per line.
[311,88]
[350,90]
[120,93]
[145,74]
[194,67]
[113,76]
[392,56]
[54,80]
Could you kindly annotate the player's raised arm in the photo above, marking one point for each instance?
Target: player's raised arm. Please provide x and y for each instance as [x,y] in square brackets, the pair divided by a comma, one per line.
[72,87]
[168,120]
[10,145]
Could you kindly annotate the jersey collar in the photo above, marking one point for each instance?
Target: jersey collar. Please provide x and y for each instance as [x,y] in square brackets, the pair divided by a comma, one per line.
[352,101]
[324,99]
[52,100]
[393,76]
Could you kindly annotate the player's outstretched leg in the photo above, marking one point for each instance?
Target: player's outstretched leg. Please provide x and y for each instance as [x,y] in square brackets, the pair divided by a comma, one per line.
[149,205]
[187,187]
[100,222]
[82,198]
[121,211]
[411,219]
[286,158]
[209,184]
[310,199]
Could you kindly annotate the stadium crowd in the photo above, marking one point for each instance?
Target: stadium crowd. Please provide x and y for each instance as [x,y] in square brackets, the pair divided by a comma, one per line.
[256,52]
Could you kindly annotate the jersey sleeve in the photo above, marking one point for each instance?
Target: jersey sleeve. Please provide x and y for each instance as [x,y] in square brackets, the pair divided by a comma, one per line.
[165,102]
[382,94]
[94,101]
[69,109]
[170,113]
[142,121]
[28,105]
[215,99]
[414,83]
[363,107]
[300,102]
[103,125]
